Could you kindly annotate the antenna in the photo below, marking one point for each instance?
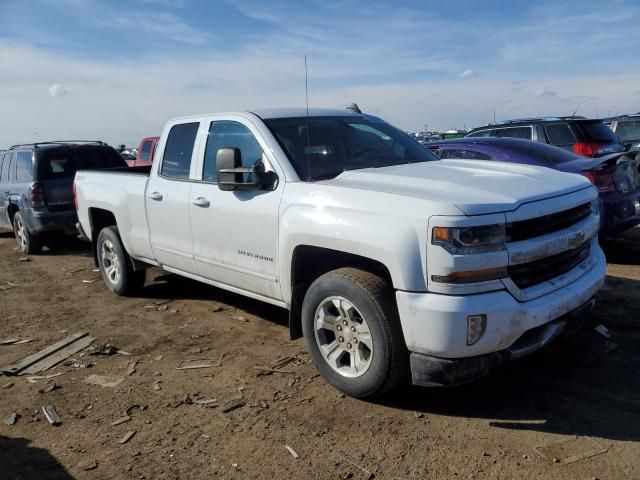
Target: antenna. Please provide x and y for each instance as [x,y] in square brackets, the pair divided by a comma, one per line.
[576,110]
[306,94]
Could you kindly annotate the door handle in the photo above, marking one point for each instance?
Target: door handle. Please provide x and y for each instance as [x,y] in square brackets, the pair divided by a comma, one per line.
[155,196]
[201,202]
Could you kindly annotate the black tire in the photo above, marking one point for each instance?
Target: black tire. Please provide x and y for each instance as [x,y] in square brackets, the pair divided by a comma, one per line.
[373,299]
[115,264]
[28,243]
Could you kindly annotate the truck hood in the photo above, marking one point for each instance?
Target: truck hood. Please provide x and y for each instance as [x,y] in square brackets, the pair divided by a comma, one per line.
[476,187]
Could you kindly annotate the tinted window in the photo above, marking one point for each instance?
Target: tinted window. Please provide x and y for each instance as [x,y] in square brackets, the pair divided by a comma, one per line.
[12,169]
[628,130]
[559,134]
[540,151]
[145,151]
[465,154]
[5,167]
[515,132]
[64,162]
[24,166]
[481,133]
[332,145]
[227,134]
[176,161]
[597,132]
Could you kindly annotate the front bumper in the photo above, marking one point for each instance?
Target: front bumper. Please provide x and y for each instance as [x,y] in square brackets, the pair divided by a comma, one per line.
[428,371]
[435,326]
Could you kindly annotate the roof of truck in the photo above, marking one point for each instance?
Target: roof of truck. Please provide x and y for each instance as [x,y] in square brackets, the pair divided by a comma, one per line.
[267,113]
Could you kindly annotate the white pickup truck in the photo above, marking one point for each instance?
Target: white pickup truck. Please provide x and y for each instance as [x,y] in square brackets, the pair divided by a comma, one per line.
[390,261]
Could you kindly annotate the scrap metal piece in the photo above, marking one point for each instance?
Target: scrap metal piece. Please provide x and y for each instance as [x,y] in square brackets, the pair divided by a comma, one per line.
[571,450]
[11,419]
[51,414]
[202,363]
[104,380]
[120,421]
[293,453]
[127,436]
[50,356]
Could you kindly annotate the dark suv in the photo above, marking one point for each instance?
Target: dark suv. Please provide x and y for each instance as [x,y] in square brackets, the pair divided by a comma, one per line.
[627,128]
[586,137]
[36,187]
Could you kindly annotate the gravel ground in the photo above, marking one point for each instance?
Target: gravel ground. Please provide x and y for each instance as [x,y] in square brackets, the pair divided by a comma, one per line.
[584,390]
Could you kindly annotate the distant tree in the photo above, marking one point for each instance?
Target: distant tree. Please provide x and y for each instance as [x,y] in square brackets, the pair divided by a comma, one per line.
[353,108]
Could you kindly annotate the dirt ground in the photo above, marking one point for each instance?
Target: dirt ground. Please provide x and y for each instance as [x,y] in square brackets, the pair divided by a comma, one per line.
[585,390]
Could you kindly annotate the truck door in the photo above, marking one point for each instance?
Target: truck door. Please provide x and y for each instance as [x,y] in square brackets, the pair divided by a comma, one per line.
[167,199]
[4,189]
[235,233]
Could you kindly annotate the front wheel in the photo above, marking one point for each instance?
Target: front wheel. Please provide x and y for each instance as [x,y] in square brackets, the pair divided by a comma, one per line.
[115,264]
[27,242]
[351,328]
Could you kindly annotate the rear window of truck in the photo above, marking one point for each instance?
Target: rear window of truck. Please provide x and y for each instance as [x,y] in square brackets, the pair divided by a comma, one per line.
[64,162]
[597,132]
[628,130]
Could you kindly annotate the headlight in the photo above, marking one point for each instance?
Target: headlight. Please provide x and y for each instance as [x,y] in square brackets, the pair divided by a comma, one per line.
[469,240]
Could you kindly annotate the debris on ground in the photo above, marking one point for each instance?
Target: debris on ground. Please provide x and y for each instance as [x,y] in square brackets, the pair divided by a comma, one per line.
[16,341]
[232,405]
[129,411]
[602,330]
[269,371]
[188,364]
[127,436]
[73,363]
[51,415]
[11,419]
[8,286]
[24,259]
[50,356]
[106,349]
[37,378]
[571,450]
[71,272]
[7,386]
[293,453]
[370,476]
[88,465]
[120,421]
[88,281]
[196,399]
[50,388]
[160,306]
[107,381]
[131,367]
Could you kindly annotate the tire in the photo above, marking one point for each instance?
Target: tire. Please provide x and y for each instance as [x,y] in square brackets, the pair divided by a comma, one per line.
[360,365]
[115,264]
[28,243]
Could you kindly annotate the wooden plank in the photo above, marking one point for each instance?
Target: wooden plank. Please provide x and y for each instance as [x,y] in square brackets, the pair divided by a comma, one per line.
[16,368]
[59,356]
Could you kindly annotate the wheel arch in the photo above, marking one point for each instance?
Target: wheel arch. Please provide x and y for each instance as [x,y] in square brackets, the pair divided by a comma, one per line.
[309,262]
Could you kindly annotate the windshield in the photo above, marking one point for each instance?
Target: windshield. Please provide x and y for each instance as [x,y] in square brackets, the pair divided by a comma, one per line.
[332,145]
[628,130]
[63,162]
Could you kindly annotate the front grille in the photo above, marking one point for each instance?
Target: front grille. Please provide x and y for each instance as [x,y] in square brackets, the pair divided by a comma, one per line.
[529,274]
[536,227]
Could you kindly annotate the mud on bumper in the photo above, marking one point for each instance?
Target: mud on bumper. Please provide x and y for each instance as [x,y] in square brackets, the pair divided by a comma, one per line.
[431,371]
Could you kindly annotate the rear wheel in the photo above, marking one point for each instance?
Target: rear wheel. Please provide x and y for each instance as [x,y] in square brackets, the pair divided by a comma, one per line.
[27,243]
[353,333]
[115,264]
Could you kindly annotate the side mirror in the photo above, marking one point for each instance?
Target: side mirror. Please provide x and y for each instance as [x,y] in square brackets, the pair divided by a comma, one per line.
[231,173]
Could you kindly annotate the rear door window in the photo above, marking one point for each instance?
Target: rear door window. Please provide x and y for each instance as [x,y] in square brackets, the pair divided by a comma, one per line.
[464,154]
[559,134]
[513,132]
[12,169]
[145,151]
[24,168]
[176,161]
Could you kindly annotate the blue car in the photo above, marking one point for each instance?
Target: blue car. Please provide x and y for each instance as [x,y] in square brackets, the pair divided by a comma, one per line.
[616,176]
[36,187]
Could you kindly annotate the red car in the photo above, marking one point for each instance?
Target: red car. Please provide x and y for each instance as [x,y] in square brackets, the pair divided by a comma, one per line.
[145,152]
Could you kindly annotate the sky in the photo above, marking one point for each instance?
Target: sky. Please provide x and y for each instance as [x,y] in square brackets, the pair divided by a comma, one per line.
[118,70]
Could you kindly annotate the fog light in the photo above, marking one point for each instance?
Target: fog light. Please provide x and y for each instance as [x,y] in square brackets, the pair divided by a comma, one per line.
[476,326]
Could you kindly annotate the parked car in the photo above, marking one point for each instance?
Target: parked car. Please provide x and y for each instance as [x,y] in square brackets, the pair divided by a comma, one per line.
[586,137]
[129,155]
[145,152]
[616,177]
[627,128]
[36,179]
[388,259]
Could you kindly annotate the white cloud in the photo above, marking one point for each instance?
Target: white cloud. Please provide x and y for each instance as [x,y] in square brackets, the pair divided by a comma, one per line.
[57,91]
[467,73]
[544,92]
